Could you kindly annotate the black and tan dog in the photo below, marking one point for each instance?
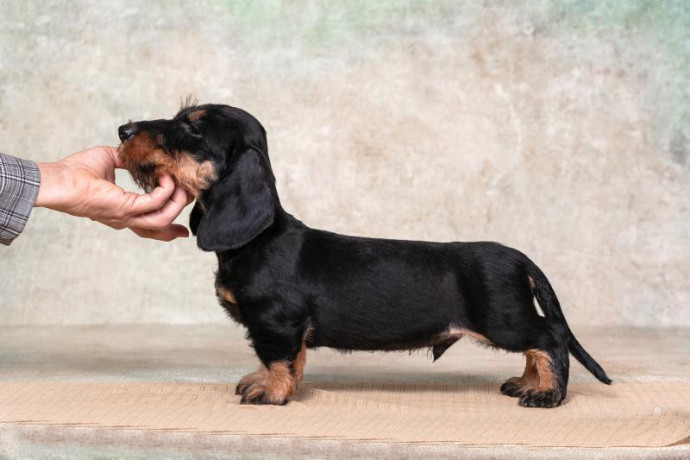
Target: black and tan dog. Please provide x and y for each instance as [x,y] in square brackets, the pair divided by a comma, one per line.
[295,288]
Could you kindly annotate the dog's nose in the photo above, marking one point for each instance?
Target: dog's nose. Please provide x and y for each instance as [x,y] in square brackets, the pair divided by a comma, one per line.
[127,131]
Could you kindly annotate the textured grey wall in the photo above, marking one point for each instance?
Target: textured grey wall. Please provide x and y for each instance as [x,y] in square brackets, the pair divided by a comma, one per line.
[562,129]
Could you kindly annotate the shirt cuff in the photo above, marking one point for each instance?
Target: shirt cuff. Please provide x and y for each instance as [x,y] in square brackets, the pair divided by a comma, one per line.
[19,183]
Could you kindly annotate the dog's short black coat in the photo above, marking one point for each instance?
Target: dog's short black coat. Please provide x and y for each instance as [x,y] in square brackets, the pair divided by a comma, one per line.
[294,287]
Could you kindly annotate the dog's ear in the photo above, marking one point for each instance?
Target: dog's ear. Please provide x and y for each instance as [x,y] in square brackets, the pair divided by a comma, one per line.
[240,205]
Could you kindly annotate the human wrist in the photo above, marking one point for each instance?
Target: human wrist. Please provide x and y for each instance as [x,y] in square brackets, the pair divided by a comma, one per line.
[56,188]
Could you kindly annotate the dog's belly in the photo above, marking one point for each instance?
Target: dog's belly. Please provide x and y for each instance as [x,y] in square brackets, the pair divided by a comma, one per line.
[368,327]
[368,294]
[374,343]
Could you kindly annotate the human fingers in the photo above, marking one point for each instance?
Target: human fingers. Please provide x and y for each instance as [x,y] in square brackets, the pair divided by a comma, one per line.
[117,160]
[167,234]
[155,200]
[164,216]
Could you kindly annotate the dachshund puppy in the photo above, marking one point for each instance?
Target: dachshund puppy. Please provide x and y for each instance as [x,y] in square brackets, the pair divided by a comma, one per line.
[295,288]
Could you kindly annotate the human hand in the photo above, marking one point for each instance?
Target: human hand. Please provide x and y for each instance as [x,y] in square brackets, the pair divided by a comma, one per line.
[83,184]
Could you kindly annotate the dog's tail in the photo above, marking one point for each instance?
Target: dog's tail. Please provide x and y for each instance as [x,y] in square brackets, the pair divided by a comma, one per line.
[552,309]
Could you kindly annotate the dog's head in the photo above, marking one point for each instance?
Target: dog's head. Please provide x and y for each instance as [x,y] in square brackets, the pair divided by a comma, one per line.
[218,154]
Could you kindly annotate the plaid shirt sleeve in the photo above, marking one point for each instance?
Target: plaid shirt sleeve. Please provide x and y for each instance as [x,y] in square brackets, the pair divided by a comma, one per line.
[19,181]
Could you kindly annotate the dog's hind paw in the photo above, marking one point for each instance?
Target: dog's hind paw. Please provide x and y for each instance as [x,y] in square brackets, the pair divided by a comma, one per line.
[544,399]
[513,387]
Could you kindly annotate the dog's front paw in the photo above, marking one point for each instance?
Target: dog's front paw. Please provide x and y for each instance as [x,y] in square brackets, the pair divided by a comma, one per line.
[545,399]
[272,385]
[260,393]
[249,380]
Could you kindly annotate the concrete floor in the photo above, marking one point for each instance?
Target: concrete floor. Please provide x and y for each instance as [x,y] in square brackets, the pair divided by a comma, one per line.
[214,353]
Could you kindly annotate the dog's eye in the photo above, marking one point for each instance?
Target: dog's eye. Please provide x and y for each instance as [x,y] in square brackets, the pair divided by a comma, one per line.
[193,130]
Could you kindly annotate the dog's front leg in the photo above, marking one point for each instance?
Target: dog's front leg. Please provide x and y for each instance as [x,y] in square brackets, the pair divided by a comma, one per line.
[282,351]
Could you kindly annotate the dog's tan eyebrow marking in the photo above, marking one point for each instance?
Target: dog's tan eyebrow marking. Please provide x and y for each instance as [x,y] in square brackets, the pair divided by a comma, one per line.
[197,114]
[227,295]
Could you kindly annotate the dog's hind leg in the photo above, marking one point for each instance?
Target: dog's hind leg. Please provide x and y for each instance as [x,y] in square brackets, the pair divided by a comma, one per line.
[544,381]
[283,357]
[545,378]
[301,358]
[547,383]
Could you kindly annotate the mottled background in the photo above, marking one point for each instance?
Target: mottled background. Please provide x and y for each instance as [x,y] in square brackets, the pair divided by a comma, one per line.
[560,128]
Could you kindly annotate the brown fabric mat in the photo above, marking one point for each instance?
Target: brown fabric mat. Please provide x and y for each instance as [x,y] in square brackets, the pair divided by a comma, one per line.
[595,415]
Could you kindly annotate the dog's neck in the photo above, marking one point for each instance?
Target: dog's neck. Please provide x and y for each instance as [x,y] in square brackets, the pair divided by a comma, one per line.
[283,224]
